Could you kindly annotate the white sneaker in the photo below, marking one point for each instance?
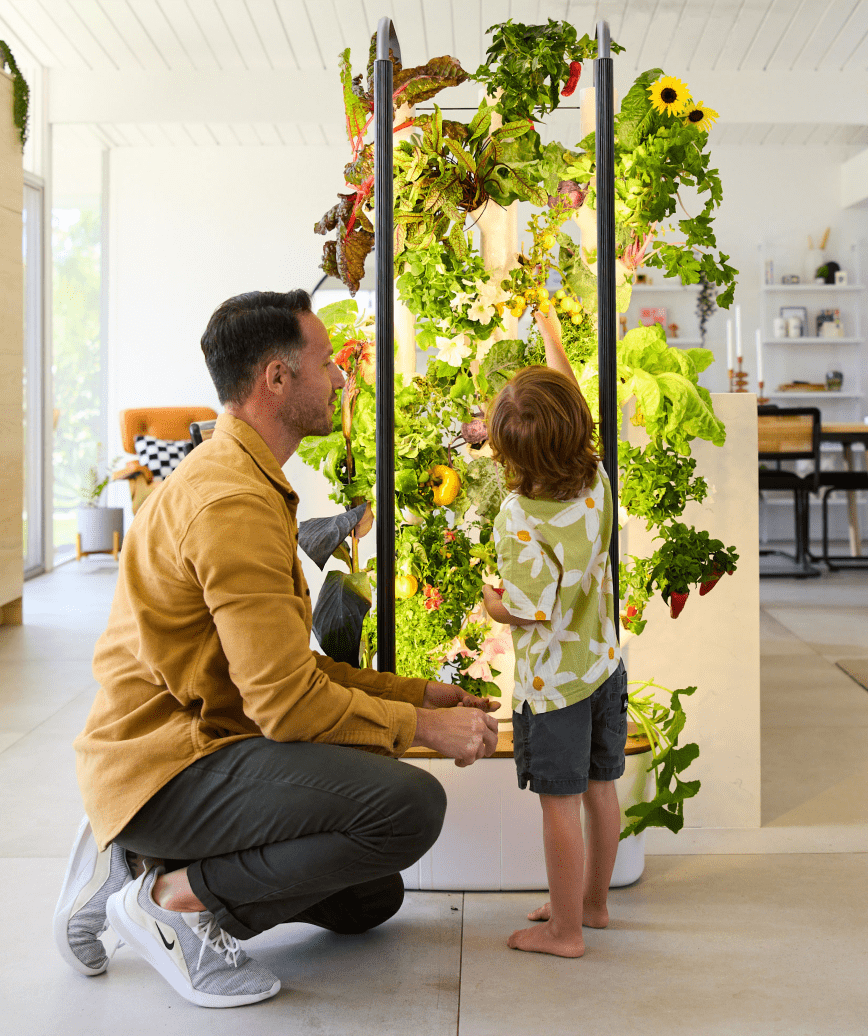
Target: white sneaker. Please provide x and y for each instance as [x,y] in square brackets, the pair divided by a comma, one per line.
[195,956]
[79,917]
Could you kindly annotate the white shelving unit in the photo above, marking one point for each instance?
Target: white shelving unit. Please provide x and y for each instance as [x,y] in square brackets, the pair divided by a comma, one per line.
[809,358]
[680,302]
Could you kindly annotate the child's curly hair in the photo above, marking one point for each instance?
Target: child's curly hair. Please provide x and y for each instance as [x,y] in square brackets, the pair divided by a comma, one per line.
[541,431]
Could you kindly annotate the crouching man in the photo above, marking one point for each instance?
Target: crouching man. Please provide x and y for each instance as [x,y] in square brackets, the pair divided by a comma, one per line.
[260,779]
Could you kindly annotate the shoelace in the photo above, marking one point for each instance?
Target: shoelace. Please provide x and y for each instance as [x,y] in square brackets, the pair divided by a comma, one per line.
[220,942]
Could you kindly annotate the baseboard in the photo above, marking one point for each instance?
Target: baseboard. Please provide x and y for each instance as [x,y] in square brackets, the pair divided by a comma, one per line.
[842,838]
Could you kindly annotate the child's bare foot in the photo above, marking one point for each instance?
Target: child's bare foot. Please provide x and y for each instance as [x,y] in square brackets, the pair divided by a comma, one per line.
[595,917]
[592,917]
[542,939]
[542,913]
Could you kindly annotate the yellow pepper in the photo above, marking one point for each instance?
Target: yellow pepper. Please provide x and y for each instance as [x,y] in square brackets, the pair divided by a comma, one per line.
[449,484]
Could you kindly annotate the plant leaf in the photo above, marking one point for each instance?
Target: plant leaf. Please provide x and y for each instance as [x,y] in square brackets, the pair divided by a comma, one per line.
[320,537]
[341,606]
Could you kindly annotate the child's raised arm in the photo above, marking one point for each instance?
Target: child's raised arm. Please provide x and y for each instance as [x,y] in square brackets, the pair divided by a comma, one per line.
[556,358]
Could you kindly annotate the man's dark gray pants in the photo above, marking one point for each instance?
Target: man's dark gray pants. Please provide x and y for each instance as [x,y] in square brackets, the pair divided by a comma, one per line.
[273,832]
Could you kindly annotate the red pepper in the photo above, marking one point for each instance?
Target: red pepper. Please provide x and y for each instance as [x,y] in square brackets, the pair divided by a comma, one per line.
[632,611]
[677,602]
[573,81]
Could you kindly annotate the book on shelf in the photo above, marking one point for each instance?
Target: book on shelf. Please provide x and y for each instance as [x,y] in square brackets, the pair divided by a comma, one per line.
[652,315]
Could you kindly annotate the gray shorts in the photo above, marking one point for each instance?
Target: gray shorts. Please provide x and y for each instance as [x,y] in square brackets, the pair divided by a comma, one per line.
[557,753]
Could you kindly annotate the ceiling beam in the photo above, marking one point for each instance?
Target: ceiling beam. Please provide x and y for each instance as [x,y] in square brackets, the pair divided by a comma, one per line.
[315,95]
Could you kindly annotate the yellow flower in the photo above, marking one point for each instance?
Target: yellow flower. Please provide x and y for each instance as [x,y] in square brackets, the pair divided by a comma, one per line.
[669,94]
[699,116]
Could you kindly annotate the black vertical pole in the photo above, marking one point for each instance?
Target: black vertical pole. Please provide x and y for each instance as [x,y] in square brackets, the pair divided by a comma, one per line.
[607,317]
[385,349]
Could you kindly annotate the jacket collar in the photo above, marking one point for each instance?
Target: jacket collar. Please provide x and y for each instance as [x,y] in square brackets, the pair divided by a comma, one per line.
[253,443]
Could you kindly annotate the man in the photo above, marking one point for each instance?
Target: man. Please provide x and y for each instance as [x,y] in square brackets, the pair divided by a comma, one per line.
[217,742]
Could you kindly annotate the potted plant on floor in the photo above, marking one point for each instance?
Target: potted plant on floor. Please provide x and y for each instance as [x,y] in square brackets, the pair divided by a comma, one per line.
[100,528]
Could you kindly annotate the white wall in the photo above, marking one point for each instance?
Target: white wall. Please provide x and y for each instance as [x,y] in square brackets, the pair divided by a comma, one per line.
[189,228]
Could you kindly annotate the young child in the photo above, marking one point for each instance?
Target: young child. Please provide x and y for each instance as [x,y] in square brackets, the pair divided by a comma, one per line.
[570,700]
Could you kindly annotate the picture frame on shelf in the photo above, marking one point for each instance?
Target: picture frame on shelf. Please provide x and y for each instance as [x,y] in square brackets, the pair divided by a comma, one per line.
[840,276]
[826,316]
[790,278]
[795,311]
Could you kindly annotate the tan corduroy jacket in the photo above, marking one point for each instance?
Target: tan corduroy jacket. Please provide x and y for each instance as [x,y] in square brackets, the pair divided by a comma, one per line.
[208,641]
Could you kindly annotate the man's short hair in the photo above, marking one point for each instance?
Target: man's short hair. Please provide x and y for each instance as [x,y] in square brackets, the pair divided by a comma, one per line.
[247,332]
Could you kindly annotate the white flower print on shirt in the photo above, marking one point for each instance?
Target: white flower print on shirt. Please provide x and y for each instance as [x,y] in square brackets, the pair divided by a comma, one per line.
[595,570]
[608,653]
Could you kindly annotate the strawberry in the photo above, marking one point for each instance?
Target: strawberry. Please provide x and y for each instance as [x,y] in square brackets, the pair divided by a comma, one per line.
[709,584]
[677,602]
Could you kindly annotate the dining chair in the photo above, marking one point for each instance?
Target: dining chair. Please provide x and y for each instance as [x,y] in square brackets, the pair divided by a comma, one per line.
[790,434]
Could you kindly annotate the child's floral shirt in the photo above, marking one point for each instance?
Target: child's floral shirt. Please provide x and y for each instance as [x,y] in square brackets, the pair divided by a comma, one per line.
[553,558]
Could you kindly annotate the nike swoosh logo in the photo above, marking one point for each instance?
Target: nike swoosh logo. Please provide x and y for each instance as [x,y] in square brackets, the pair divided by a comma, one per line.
[168,945]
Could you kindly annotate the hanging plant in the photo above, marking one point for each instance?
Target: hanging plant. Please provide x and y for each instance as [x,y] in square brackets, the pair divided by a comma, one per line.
[20,92]
[705,305]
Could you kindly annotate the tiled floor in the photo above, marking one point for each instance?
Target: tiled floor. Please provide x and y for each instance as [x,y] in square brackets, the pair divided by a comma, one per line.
[731,945]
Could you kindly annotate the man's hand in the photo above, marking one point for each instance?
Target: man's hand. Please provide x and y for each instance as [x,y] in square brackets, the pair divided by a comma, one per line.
[447,695]
[462,734]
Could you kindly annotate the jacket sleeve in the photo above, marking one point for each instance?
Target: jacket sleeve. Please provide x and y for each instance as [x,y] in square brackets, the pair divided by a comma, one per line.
[387,686]
[241,553]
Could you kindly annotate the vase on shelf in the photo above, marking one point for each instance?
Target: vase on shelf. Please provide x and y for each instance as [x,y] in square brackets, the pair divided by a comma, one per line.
[814,259]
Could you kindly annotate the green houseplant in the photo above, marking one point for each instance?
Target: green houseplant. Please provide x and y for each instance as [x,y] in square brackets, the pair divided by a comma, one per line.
[100,528]
[444,175]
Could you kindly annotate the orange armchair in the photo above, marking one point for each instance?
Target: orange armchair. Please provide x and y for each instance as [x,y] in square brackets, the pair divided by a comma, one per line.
[166,422]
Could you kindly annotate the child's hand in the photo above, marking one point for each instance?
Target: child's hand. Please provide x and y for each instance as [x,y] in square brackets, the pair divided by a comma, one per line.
[549,325]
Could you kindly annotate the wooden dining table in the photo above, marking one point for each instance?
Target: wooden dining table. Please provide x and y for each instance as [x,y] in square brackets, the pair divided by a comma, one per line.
[848,435]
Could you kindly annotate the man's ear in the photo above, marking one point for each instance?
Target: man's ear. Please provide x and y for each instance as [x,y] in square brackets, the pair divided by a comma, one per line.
[277,376]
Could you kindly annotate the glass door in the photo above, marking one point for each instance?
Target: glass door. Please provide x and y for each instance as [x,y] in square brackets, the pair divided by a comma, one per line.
[33,382]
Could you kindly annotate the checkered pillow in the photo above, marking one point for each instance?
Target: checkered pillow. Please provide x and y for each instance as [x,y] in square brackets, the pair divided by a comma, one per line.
[162,456]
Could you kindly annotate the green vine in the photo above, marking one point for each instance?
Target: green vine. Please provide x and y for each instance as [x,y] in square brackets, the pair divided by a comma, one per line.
[20,92]
[662,725]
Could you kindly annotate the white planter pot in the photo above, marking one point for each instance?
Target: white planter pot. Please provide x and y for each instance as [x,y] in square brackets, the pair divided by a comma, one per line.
[498,845]
[96,527]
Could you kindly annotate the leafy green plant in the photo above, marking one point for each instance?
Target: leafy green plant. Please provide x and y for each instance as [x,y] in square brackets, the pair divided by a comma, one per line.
[656,481]
[670,402]
[687,558]
[528,66]
[656,154]
[96,478]
[662,725]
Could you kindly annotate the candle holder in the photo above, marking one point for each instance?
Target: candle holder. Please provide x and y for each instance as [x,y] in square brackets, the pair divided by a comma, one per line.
[738,379]
[761,399]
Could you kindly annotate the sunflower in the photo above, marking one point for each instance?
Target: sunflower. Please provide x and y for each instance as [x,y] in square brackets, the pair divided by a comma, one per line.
[669,94]
[699,116]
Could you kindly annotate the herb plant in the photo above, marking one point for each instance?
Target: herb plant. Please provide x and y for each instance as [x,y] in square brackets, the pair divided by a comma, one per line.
[527,67]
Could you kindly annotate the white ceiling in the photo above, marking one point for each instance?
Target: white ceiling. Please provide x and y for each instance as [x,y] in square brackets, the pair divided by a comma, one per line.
[787,45]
